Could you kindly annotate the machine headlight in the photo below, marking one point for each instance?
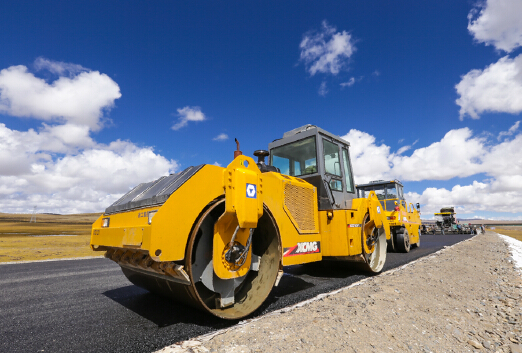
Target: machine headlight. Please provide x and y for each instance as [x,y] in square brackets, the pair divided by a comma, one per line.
[105,222]
[151,214]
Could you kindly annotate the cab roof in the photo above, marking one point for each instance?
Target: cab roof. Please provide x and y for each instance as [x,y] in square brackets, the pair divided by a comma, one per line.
[379,182]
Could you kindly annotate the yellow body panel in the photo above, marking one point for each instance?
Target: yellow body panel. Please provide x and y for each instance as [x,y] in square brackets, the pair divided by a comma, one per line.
[223,229]
[166,238]
[408,218]
[274,198]
[243,191]
[127,229]
[306,235]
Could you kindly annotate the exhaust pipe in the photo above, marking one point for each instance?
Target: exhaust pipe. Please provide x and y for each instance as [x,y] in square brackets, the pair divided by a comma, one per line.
[237,152]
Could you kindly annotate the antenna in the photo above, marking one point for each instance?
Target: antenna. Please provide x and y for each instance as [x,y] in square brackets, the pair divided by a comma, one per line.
[33,217]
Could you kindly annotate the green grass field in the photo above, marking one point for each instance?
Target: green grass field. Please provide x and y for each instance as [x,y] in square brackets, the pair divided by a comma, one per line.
[51,237]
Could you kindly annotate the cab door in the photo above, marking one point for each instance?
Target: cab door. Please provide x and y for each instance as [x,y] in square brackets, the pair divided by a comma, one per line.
[337,174]
[333,172]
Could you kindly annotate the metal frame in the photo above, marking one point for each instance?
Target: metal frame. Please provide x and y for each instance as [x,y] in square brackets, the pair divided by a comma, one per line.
[327,199]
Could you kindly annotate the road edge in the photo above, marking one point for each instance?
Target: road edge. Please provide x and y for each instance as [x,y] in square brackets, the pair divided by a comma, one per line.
[191,345]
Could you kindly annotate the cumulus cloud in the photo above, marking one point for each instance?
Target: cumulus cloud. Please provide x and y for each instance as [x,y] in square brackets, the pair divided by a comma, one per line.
[460,153]
[93,174]
[221,137]
[369,160]
[80,98]
[326,50]
[58,166]
[497,88]
[497,23]
[187,114]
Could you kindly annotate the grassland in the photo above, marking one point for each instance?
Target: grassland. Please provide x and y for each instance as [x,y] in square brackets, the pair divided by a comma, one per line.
[66,236]
[51,237]
[513,232]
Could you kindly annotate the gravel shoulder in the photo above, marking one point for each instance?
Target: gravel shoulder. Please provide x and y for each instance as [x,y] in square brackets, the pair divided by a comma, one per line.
[462,299]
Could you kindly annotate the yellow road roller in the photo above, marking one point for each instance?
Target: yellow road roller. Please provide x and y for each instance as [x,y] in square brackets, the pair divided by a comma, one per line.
[403,218]
[219,238]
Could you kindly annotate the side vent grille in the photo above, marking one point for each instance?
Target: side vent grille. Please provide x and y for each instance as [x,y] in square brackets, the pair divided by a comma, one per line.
[299,203]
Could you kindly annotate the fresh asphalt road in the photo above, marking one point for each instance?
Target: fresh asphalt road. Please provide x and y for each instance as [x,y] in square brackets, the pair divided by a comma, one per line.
[89,306]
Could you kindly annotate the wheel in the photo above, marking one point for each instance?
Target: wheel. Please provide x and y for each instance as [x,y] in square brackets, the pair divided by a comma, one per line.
[403,240]
[417,244]
[373,246]
[232,298]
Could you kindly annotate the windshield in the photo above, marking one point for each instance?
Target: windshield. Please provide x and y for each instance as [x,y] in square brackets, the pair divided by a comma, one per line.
[391,192]
[379,191]
[297,158]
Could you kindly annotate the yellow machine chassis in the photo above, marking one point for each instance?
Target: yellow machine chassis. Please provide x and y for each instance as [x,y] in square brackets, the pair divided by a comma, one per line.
[152,241]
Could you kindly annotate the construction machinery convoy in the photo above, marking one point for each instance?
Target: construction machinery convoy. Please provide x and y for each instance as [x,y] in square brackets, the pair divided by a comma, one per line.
[404,219]
[446,220]
[219,238]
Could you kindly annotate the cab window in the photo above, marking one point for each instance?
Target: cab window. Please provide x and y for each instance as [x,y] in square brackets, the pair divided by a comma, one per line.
[332,164]
[296,158]
[399,189]
[391,192]
[347,171]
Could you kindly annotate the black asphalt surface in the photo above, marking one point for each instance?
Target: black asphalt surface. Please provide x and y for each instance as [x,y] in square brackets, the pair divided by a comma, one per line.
[89,306]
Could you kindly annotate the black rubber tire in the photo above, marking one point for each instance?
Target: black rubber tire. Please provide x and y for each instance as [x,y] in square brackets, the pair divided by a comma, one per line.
[403,240]
[390,244]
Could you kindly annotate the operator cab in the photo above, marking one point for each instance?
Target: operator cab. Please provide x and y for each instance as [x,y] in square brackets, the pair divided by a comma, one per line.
[388,192]
[319,157]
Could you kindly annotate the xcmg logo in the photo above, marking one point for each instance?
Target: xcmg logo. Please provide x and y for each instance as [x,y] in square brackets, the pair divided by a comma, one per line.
[304,248]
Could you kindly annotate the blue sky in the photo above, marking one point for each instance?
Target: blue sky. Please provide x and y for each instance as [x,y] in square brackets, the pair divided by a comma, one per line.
[90,92]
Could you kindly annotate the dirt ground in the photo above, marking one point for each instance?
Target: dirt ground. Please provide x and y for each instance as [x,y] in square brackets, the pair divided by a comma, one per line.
[462,299]
[51,237]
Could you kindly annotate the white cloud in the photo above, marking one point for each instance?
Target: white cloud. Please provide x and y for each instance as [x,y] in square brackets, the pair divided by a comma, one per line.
[326,51]
[80,99]
[58,166]
[469,199]
[403,149]
[497,88]
[497,23]
[350,82]
[31,170]
[510,132]
[58,67]
[323,90]
[221,137]
[187,114]
[460,153]
[369,161]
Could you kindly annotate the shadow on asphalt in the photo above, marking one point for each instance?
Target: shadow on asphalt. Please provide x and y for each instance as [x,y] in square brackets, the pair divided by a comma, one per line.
[162,311]
[299,283]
